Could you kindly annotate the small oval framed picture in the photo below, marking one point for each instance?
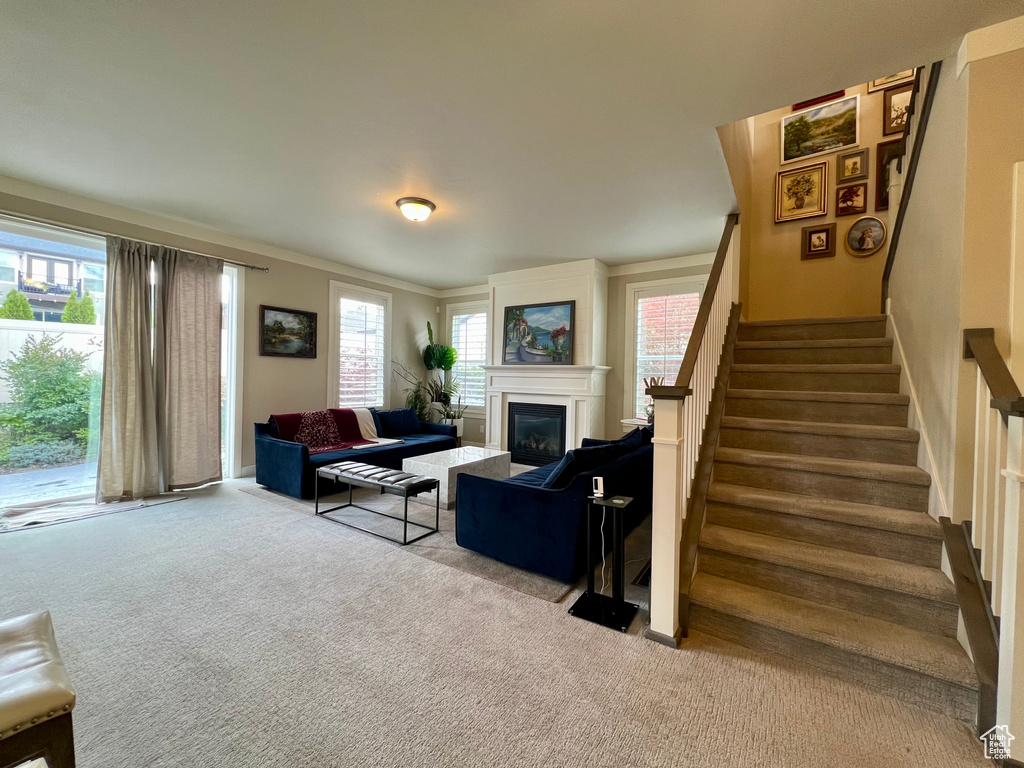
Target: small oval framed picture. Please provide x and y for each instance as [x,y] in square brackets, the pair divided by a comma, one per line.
[866,236]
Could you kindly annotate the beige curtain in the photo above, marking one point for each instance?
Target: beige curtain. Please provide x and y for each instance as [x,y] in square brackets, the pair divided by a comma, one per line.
[187,361]
[129,465]
[160,419]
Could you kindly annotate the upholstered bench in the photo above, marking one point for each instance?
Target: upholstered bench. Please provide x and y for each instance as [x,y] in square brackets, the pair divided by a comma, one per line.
[36,697]
[392,481]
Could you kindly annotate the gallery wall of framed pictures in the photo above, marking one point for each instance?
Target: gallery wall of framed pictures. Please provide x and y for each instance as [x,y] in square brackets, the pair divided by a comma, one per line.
[834,151]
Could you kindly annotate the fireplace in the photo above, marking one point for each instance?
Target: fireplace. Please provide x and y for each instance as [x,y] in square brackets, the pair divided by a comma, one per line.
[536,433]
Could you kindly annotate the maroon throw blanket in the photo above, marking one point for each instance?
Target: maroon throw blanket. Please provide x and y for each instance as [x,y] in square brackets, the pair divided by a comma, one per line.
[334,430]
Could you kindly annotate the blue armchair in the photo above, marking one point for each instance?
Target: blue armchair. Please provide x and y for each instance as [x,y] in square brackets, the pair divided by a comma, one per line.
[289,468]
[539,529]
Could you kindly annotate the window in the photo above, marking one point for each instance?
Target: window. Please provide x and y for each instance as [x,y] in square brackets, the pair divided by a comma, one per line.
[662,317]
[467,324]
[360,346]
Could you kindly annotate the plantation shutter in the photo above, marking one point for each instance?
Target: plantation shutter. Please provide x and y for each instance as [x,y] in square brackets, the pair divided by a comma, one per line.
[362,353]
[663,327]
[469,338]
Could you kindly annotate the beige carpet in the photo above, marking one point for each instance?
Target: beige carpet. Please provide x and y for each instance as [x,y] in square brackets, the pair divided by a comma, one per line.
[228,631]
[440,547]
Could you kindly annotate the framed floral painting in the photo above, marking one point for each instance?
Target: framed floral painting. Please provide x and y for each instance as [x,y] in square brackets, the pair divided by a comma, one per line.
[800,192]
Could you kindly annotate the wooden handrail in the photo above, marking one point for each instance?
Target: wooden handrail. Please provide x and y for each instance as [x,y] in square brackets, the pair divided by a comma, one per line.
[911,109]
[680,391]
[908,182]
[980,345]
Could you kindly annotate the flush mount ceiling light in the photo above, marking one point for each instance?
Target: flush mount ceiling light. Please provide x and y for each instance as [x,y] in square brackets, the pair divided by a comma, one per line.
[415,208]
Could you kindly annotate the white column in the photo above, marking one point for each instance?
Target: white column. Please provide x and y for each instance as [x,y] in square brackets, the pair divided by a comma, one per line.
[1010,697]
[669,509]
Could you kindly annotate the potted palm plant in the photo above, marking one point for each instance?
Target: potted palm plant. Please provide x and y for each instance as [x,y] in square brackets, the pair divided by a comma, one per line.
[440,387]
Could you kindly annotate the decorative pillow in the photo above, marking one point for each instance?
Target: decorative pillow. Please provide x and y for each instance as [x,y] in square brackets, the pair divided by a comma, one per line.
[581,460]
[638,437]
[398,422]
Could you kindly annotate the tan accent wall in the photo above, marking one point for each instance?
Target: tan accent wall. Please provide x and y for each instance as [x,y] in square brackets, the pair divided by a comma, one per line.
[270,384]
[774,282]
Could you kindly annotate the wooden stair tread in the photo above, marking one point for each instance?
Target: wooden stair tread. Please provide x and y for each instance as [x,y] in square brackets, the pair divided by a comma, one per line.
[870,470]
[837,368]
[866,431]
[916,580]
[873,398]
[815,343]
[930,654]
[833,510]
[813,321]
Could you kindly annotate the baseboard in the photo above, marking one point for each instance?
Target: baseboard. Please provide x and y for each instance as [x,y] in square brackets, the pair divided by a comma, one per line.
[915,404]
[249,471]
[666,640]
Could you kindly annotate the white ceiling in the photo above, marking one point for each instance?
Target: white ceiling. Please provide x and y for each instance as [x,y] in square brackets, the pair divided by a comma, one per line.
[544,130]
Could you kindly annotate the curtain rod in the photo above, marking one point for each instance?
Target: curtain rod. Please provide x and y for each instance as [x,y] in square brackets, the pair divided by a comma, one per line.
[101,233]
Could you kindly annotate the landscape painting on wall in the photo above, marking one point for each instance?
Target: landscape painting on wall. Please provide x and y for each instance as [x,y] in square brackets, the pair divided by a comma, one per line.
[287,332]
[819,130]
[539,334]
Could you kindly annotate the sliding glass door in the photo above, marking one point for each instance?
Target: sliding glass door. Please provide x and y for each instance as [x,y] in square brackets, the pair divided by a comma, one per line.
[51,361]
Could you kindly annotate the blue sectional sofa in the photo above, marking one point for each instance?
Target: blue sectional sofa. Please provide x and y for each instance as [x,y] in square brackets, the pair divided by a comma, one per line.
[289,468]
[535,520]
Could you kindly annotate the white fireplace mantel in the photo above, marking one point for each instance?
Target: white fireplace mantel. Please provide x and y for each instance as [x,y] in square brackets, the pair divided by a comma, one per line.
[580,388]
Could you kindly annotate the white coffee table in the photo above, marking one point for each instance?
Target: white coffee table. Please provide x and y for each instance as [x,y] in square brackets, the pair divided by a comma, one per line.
[446,466]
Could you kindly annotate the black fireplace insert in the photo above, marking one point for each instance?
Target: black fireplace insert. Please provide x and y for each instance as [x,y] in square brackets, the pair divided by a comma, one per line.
[536,433]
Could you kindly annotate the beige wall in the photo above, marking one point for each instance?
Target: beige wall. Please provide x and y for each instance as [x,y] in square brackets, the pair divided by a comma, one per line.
[270,385]
[925,286]
[774,282]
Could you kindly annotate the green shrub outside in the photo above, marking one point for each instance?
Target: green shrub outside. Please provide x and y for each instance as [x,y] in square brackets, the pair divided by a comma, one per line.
[16,307]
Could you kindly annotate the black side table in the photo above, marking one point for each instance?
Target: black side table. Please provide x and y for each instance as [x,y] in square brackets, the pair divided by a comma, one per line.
[612,612]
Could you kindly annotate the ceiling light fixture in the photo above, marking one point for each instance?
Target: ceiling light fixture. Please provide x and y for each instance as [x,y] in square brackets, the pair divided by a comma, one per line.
[415,208]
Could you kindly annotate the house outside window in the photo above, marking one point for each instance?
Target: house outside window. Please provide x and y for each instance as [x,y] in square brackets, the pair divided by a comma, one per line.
[660,321]
[360,347]
[467,333]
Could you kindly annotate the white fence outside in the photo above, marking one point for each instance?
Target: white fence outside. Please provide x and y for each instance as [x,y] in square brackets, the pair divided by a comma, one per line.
[80,338]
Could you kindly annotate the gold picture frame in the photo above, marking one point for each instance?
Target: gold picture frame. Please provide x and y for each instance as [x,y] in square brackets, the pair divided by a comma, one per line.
[800,193]
[867,235]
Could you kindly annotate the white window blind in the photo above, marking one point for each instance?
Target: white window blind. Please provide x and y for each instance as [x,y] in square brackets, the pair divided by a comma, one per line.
[469,338]
[663,327]
[362,353]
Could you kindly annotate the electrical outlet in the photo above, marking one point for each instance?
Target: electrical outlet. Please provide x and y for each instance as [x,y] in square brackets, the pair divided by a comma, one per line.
[481,428]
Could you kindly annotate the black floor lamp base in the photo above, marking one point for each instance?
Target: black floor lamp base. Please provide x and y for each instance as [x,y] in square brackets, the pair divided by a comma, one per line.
[604,610]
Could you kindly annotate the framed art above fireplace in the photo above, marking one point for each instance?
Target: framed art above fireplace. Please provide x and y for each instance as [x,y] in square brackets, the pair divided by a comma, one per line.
[539,334]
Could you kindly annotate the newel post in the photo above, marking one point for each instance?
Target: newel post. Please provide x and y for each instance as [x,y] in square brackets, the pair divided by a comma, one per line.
[667,520]
[1010,688]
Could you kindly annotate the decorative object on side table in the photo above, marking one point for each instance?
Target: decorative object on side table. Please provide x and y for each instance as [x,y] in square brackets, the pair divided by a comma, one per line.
[866,236]
[800,192]
[539,334]
[896,105]
[820,130]
[612,612]
[885,153]
[852,200]
[287,332]
[818,242]
[852,166]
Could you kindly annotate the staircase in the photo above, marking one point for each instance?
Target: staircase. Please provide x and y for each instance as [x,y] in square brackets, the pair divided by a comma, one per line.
[817,544]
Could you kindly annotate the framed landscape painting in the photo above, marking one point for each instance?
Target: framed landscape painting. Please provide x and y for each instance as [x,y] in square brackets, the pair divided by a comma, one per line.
[852,200]
[820,130]
[891,81]
[539,334]
[800,192]
[287,332]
